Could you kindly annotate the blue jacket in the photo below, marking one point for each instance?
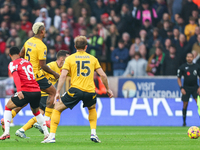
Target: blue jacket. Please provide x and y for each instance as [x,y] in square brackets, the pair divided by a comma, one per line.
[123,55]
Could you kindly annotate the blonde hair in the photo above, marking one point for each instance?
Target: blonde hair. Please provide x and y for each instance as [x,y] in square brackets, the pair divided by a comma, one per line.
[80,42]
[37,26]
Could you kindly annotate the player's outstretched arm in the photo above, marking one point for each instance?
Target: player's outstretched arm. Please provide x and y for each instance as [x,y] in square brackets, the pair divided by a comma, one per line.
[105,81]
[44,66]
[22,52]
[60,83]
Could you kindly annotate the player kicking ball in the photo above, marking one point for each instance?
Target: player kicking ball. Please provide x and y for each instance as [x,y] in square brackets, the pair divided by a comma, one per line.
[28,91]
[81,67]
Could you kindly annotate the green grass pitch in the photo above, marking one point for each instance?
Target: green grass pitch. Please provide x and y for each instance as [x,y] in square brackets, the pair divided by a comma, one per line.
[112,137]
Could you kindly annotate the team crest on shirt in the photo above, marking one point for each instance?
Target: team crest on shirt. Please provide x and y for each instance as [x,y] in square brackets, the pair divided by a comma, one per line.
[45,52]
[195,72]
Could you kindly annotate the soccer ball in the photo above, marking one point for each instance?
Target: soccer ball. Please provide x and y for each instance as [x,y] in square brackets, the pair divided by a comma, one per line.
[193,132]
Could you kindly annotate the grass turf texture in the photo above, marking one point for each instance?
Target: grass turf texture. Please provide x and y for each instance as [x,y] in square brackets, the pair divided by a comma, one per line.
[112,137]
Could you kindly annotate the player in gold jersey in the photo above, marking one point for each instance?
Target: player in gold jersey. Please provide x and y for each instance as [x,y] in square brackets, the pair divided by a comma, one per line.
[81,67]
[57,67]
[35,51]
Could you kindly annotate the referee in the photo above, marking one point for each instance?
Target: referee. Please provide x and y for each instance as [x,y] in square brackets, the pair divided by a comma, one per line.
[190,71]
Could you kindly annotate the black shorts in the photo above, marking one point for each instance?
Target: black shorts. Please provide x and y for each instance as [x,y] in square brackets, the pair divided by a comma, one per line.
[189,91]
[74,95]
[29,97]
[43,101]
[44,83]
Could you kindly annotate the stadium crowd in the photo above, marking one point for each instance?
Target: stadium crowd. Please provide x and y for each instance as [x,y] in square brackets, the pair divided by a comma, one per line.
[129,37]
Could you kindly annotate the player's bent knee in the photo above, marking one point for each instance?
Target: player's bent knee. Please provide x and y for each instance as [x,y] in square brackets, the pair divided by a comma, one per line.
[59,106]
[92,107]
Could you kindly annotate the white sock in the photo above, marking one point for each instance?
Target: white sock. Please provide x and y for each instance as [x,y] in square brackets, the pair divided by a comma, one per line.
[93,131]
[40,120]
[7,120]
[52,135]
[21,129]
[46,118]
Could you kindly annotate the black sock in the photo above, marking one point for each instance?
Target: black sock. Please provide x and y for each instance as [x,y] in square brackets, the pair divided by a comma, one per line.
[184,115]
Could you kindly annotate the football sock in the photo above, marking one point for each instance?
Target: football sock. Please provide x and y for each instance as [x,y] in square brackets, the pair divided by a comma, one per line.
[93,120]
[29,124]
[13,113]
[40,120]
[184,115]
[198,104]
[7,119]
[55,119]
[48,112]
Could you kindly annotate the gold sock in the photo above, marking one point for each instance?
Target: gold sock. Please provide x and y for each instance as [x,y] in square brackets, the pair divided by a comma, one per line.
[93,118]
[13,113]
[55,119]
[29,124]
[48,112]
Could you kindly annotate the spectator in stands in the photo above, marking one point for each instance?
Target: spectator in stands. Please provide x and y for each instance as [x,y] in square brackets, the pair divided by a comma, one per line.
[78,6]
[119,24]
[112,40]
[135,47]
[160,8]
[4,30]
[195,14]
[196,59]
[51,12]
[136,66]
[187,10]
[85,15]
[156,44]
[181,48]
[135,7]
[147,27]
[143,37]
[165,17]
[100,89]
[70,14]
[59,44]
[196,45]
[98,9]
[193,39]
[175,36]
[112,5]
[35,14]
[51,56]
[154,66]
[127,40]
[44,17]
[95,44]
[4,61]
[171,62]
[2,45]
[167,45]
[91,26]
[64,23]
[69,40]
[103,32]
[25,24]
[154,37]
[14,37]
[65,3]
[57,19]
[176,8]
[147,13]
[190,28]
[50,37]
[180,25]
[166,27]
[26,5]
[78,26]
[105,21]
[21,33]
[14,15]
[120,57]
[62,9]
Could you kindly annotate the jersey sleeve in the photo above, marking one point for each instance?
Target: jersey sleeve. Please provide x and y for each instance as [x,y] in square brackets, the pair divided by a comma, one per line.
[97,65]
[42,52]
[66,64]
[12,67]
[180,72]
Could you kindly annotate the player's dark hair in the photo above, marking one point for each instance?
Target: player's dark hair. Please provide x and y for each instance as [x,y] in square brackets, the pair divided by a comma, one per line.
[80,42]
[62,53]
[41,28]
[14,51]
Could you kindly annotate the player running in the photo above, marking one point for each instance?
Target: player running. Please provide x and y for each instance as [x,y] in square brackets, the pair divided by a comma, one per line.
[81,67]
[28,91]
[57,67]
[35,51]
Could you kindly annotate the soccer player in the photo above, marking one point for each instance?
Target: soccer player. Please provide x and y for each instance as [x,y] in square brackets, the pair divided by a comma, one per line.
[28,91]
[81,67]
[57,67]
[190,71]
[35,51]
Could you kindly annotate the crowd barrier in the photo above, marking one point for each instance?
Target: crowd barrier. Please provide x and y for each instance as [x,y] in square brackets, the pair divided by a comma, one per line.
[123,112]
